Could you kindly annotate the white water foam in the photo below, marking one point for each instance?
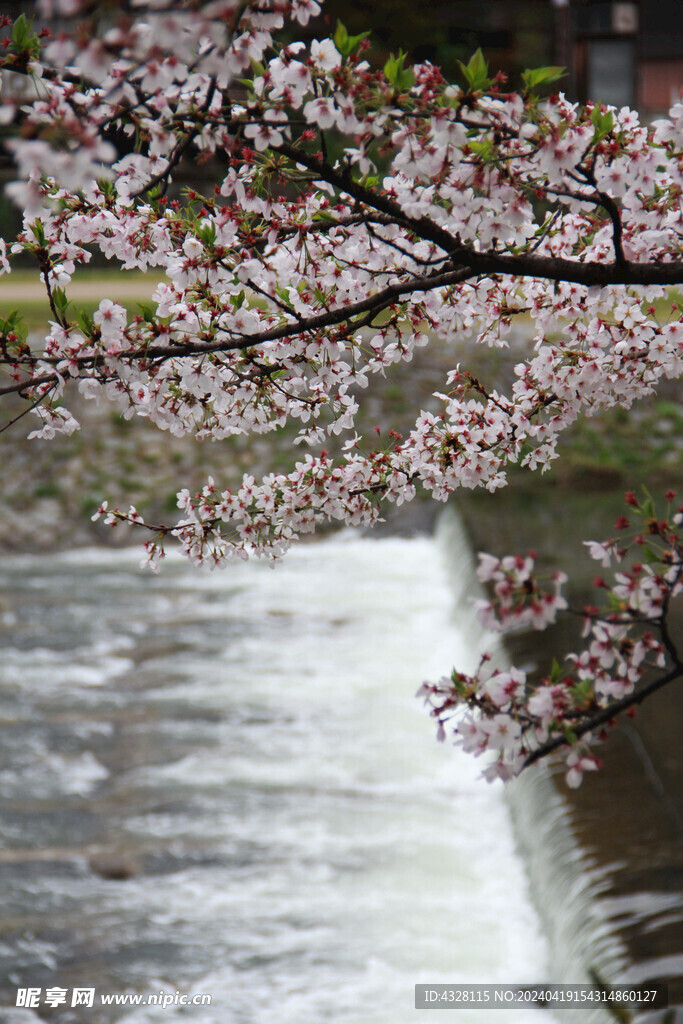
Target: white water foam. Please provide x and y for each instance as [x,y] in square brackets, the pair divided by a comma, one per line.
[329,854]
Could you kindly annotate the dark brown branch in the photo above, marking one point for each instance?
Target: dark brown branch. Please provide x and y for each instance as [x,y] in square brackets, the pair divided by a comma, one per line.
[614,214]
[31,382]
[45,272]
[621,272]
[605,715]
[373,305]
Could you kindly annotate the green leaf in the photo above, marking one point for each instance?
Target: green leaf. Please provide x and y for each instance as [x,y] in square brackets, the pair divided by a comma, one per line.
[326,216]
[258,68]
[648,504]
[14,324]
[38,232]
[401,78]
[459,683]
[346,44]
[85,322]
[476,72]
[207,233]
[569,734]
[147,311]
[370,181]
[106,186]
[603,123]
[341,38]
[534,77]
[237,301]
[650,556]
[555,672]
[485,150]
[24,39]
[59,298]
[582,691]
[21,32]
[406,80]
[8,324]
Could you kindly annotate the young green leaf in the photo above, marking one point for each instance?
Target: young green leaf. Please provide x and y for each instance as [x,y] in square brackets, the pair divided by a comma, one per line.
[346,44]
[60,300]
[147,311]
[85,322]
[39,232]
[533,77]
[555,672]
[207,233]
[401,78]
[326,216]
[476,72]
[603,123]
[24,39]
[21,32]
[569,733]
[583,692]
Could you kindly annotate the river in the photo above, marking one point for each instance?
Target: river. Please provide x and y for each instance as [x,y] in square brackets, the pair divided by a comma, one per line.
[222,784]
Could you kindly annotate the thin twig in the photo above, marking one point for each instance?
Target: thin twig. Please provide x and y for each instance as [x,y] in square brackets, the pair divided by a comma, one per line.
[29,409]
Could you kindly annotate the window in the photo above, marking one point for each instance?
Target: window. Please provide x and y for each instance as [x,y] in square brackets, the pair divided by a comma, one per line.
[611,71]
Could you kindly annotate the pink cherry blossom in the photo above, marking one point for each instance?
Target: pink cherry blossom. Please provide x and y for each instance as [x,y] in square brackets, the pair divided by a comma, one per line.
[364,210]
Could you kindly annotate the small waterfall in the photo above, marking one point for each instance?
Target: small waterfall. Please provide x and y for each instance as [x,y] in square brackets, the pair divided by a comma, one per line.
[564,884]
[223,784]
[251,744]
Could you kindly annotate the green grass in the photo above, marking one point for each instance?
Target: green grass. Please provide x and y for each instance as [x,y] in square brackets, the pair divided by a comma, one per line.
[645,440]
[26,275]
[104,282]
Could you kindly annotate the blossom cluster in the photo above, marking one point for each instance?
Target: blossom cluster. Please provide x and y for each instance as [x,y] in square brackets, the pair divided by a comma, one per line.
[299,278]
[628,652]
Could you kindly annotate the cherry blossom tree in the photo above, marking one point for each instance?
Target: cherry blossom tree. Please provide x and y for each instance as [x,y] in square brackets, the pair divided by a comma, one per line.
[359,212]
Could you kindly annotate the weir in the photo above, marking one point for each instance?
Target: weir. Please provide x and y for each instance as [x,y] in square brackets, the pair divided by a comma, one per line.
[565,885]
[222,784]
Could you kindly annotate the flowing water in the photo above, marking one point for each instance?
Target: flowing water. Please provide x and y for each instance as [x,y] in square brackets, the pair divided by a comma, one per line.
[222,784]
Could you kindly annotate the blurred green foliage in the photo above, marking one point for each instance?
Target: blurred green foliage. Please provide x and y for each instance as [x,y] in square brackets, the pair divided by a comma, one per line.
[513,34]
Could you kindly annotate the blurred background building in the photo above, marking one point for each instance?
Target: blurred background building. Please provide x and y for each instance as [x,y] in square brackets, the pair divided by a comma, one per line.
[627,54]
[624,53]
[618,52]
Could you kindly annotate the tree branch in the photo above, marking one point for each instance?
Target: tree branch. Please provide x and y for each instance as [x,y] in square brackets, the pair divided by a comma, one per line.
[605,715]
[621,272]
[374,304]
